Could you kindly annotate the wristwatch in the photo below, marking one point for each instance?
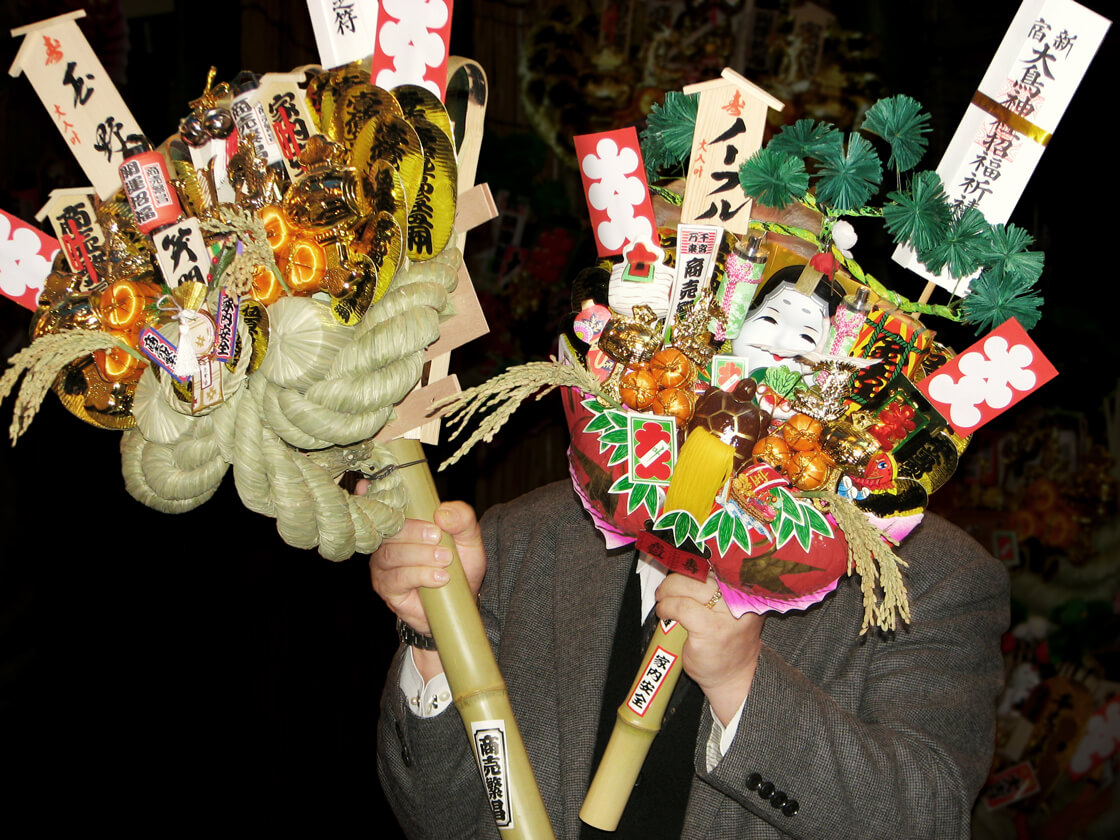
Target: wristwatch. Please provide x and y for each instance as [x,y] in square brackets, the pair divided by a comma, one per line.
[414,638]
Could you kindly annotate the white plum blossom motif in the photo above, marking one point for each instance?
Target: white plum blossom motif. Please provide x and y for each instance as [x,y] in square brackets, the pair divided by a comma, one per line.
[1100,740]
[617,193]
[410,42]
[991,377]
[21,266]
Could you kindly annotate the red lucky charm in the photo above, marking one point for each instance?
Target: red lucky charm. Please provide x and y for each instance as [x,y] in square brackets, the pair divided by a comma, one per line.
[896,421]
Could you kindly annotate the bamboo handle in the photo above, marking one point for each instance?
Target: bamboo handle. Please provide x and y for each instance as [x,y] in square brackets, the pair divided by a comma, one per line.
[476,683]
[639,721]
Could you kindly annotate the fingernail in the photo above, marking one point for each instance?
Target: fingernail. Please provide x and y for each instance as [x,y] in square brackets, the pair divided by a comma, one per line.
[431,534]
[440,576]
[443,555]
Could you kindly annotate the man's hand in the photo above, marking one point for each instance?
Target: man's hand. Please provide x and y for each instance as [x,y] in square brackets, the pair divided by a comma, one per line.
[721,653]
[414,558]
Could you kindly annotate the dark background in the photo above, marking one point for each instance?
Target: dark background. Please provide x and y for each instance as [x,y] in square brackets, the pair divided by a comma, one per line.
[196,669]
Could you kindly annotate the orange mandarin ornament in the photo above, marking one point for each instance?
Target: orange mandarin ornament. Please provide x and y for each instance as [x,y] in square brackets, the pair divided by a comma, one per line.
[773,450]
[122,306]
[116,364]
[266,286]
[678,403]
[809,469]
[802,432]
[672,368]
[637,389]
[304,266]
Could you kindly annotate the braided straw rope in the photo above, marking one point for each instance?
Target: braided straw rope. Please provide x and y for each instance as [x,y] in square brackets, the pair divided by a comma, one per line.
[307,415]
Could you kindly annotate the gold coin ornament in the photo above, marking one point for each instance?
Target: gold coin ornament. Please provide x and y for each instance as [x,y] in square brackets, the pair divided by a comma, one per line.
[431,215]
[393,139]
[386,191]
[358,103]
[289,315]
[418,102]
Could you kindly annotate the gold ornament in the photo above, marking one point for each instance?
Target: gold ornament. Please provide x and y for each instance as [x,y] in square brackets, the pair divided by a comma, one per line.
[632,341]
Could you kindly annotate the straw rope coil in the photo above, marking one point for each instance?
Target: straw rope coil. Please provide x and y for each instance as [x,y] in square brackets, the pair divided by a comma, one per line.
[305,416]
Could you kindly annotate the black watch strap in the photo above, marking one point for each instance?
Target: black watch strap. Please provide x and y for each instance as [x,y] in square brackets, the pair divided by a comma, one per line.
[414,638]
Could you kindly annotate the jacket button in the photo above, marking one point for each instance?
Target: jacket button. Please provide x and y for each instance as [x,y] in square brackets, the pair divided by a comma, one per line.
[790,808]
[767,790]
[778,799]
[753,781]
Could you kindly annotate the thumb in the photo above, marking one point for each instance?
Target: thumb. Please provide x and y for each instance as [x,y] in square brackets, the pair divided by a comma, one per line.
[458,519]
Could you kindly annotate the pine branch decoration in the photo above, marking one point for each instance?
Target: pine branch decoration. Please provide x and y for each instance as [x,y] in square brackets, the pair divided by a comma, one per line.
[774,178]
[996,296]
[808,139]
[919,216]
[848,179]
[1005,250]
[961,248]
[667,140]
[900,121]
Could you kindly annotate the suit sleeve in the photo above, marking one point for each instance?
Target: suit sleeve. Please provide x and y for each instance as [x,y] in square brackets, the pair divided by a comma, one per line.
[427,770]
[894,737]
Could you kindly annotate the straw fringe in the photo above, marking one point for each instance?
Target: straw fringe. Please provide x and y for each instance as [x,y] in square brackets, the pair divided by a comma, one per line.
[42,362]
[876,563]
[255,250]
[504,394]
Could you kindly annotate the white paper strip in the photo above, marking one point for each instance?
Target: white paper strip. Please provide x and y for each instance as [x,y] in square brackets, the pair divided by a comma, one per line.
[79,96]
[74,220]
[345,30]
[181,253]
[696,254]
[1024,93]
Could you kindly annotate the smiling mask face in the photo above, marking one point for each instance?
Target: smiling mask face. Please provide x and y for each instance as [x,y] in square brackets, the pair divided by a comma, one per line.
[787,323]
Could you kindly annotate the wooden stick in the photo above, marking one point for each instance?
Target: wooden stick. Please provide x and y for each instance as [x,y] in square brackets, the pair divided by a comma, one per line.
[927,292]
[476,683]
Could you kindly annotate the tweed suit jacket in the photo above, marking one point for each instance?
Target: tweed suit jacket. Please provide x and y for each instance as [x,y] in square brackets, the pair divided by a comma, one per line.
[875,736]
